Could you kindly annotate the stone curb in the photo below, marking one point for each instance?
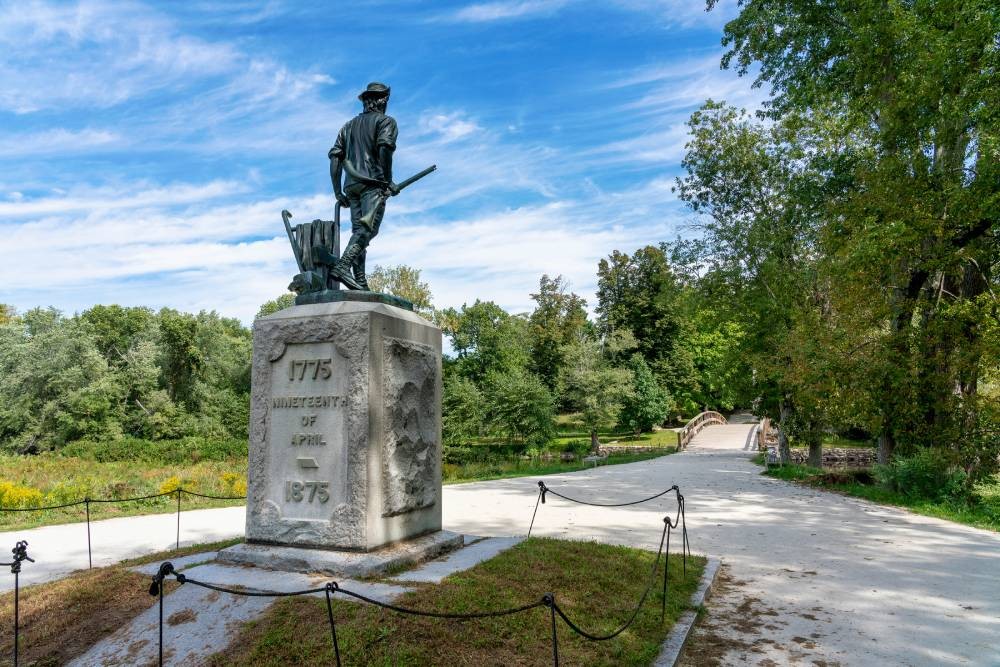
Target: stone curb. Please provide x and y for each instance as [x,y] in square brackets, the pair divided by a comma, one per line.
[673,645]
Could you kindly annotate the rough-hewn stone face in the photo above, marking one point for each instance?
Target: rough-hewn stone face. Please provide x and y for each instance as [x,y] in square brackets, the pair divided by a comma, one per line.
[411,426]
[345,427]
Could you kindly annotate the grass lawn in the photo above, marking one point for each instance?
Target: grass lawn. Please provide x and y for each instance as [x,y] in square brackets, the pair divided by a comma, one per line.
[982,510]
[840,441]
[570,430]
[52,479]
[62,619]
[597,586]
[477,472]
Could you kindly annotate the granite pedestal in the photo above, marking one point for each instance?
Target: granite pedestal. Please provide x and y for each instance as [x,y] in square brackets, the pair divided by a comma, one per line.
[345,433]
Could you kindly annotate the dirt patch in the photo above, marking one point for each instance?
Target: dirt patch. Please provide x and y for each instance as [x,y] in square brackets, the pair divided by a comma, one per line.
[62,619]
[742,629]
[710,643]
[183,616]
[136,647]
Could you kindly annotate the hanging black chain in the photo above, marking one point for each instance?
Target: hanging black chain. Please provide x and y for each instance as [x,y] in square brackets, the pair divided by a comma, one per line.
[545,489]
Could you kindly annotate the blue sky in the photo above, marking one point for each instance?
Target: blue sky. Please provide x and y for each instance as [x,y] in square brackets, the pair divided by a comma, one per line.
[146,150]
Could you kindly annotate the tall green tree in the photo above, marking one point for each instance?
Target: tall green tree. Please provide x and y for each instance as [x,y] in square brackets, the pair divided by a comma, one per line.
[912,188]
[486,339]
[116,328]
[178,339]
[403,281]
[463,411]
[286,300]
[519,407]
[594,386]
[559,319]
[641,293]
[647,404]
[755,192]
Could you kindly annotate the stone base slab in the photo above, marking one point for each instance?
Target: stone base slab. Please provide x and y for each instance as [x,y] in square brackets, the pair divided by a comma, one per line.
[343,563]
[334,295]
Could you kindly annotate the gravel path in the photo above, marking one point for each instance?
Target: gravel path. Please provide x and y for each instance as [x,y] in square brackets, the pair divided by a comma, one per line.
[810,578]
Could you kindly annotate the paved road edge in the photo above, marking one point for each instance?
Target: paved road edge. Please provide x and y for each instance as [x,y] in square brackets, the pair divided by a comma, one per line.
[673,645]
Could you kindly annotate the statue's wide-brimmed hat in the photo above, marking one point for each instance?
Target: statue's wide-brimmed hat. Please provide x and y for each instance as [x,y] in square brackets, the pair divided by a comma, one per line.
[374,89]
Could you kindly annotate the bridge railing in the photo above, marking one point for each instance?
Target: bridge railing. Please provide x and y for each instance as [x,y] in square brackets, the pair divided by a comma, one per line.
[692,428]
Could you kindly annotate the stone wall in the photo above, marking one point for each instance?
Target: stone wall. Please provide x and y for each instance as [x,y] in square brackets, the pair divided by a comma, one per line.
[605,450]
[854,457]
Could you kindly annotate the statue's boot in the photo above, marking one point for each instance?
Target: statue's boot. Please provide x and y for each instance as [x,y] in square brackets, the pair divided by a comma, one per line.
[343,269]
[359,271]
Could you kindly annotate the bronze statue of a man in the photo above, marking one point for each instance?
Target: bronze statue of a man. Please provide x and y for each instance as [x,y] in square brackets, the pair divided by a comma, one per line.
[363,150]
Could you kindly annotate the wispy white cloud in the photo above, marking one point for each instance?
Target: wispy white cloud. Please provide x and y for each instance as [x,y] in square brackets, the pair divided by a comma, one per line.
[57,140]
[657,101]
[131,51]
[135,196]
[684,13]
[664,146]
[484,12]
[504,207]
[448,126]
[203,247]
[686,84]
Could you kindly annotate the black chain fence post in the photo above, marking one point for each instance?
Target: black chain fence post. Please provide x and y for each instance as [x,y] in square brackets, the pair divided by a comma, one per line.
[156,588]
[178,545]
[685,546]
[666,568]
[541,499]
[549,600]
[90,556]
[20,552]
[330,589]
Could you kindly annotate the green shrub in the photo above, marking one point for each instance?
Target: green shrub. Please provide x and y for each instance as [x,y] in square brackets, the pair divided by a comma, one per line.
[930,474]
[577,447]
[180,451]
[15,495]
[457,455]
[70,491]
[234,484]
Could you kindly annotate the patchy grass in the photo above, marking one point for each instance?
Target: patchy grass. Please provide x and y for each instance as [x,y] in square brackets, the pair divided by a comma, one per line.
[596,585]
[841,441]
[477,472]
[981,509]
[52,479]
[62,619]
[660,438]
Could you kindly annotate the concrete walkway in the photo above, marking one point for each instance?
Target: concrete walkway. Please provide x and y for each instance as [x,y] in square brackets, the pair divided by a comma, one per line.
[59,550]
[810,577]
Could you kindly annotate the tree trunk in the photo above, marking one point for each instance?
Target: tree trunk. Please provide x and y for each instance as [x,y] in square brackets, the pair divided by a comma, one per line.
[784,449]
[595,444]
[815,451]
[886,443]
